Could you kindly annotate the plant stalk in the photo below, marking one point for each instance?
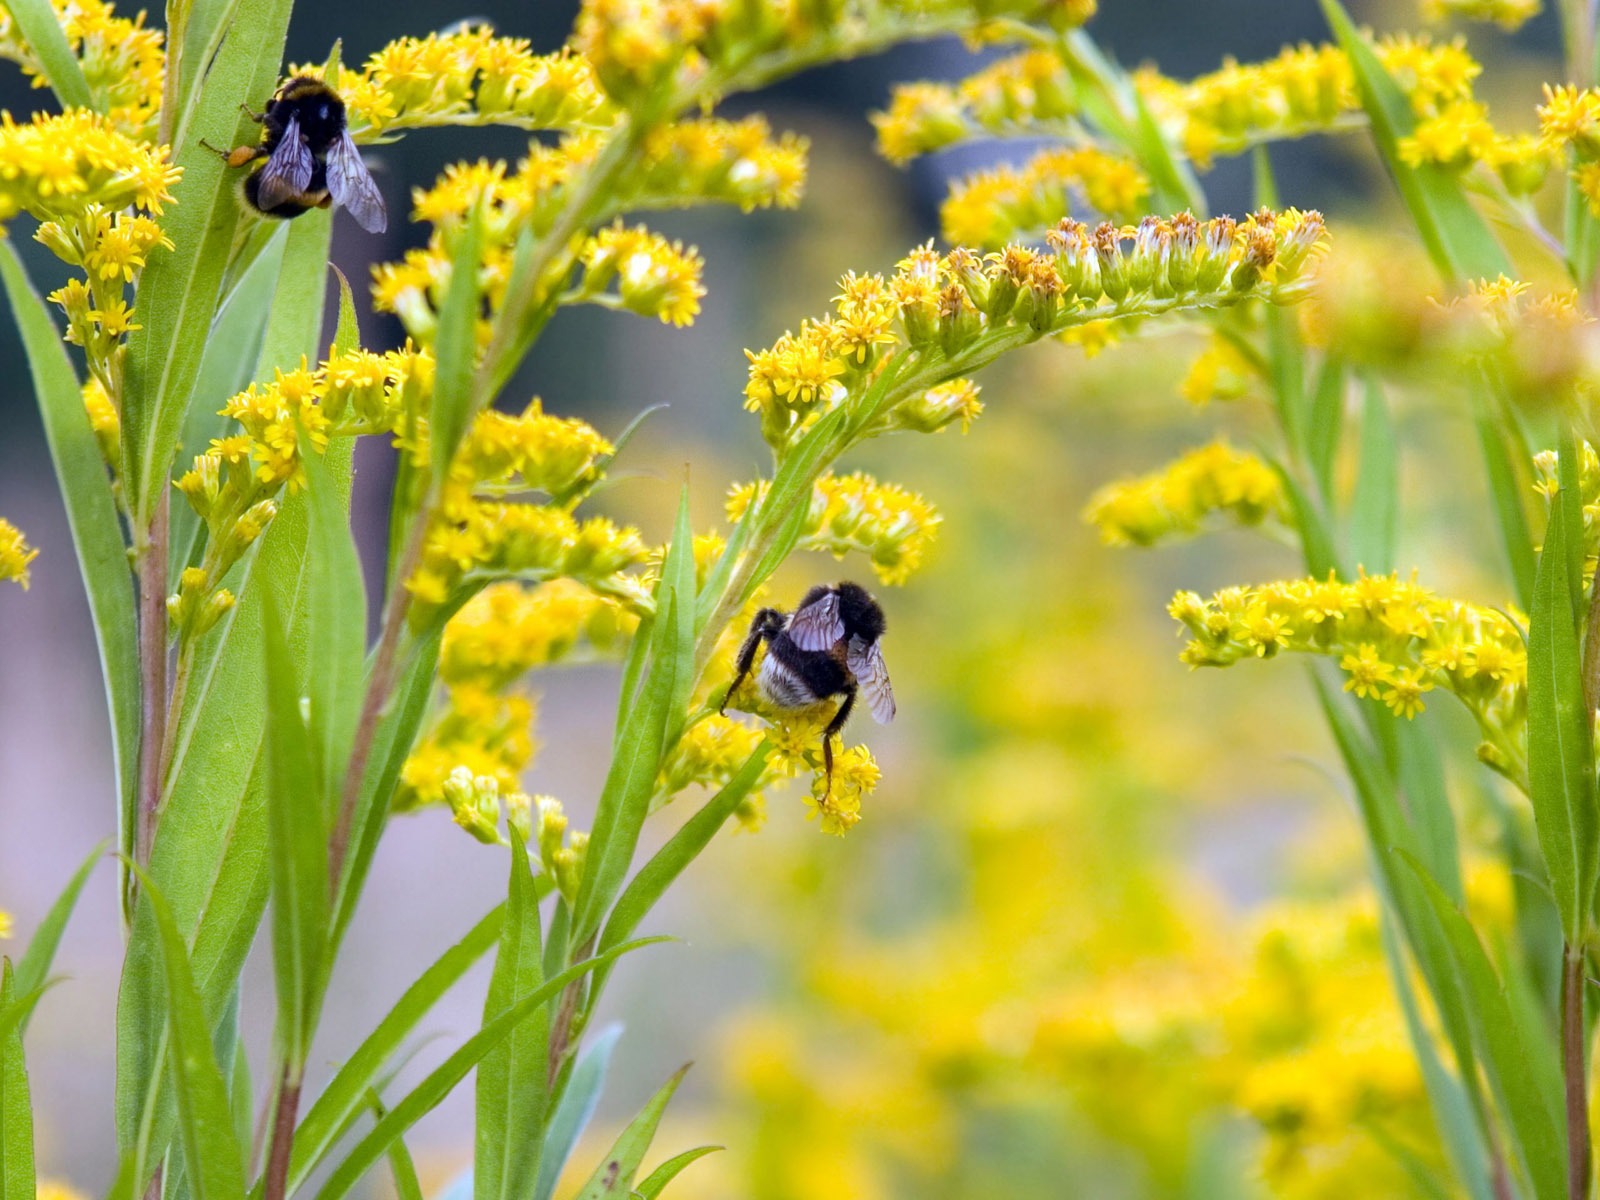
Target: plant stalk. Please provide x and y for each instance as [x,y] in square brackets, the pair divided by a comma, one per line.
[566,1012]
[152,571]
[379,685]
[288,1106]
[1574,1071]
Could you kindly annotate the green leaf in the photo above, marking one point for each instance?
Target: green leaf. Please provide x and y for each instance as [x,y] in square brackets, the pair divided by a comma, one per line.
[347,331]
[426,1095]
[16,1109]
[34,966]
[1463,1140]
[92,516]
[294,332]
[1375,505]
[211,1153]
[575,1109]
[1457,238]
[614,1176]
[336,623]
[658,714]
[513,1079]
[1531,1114]
[1316,543]
[179,289]
[36,21]
[655,1183]
[406,1184]
[456,349]
[342,1100]
[1326,424]
[1560,744]
[1508,491]
[226,368]
[298,846]
[656,876]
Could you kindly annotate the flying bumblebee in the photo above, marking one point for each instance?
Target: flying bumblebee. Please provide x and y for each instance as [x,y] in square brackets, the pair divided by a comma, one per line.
[827,647]
[311,161]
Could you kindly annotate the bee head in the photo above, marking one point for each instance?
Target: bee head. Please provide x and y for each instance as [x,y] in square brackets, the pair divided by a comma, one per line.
[860,612]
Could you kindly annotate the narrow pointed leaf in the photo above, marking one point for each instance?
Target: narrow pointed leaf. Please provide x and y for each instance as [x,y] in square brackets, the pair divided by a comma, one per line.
[1560,747]
[34,966]
[298,847]
[1457,238]
[205,1121]
[647,730]
[91,515]
[40,28]
[341,1101]
[656,1182]
[336,622]
[456,349]
[1507,491]
[426,1095]
[16,1108]
[1531,1114]
[1375,506]
[614,1176]
[1326,424]
[576,1109]
[513,1079]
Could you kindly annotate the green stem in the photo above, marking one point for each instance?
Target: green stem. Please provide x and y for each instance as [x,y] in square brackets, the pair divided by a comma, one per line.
[152,570]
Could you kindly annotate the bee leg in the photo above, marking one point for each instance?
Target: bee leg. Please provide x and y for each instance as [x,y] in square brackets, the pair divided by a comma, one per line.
[254,116]
[747,654]
[835,730]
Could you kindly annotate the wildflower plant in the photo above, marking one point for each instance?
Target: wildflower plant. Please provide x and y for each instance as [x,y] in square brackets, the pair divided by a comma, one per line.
[262,744]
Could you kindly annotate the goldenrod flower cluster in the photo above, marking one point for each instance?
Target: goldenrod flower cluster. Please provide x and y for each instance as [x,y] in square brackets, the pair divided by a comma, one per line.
[474,752]
[992,207]
[1510,15]
[1311,89]
[104,420]
[469,77]
[952,303]
[691,162]
[708,755]
[1024,93]
[122,61]
[1176,500]
[644,47]
[62,167]
[653,278]
[111,249]
[15,553]
[1394,640]
[509,629]
[479,532]
[1219,372]
[892,526]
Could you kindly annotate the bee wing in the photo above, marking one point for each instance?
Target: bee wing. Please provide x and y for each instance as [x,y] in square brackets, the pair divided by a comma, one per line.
[865,661]
[351,186]
[288,171]
[817,625]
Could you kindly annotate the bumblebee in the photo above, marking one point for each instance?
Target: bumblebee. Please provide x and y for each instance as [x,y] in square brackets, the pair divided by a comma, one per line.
[310,159]
[827,647]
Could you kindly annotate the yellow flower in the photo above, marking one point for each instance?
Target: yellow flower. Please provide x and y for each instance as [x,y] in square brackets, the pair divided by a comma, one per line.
[15,554]
[1510,15]
[5,923]
[122,61]
[892,526]
[58,167]
[1175,501]
[992,207]
[654,278]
